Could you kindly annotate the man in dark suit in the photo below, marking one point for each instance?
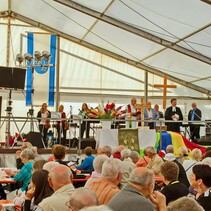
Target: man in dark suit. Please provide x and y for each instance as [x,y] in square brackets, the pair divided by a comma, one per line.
[173,113]
[194,115]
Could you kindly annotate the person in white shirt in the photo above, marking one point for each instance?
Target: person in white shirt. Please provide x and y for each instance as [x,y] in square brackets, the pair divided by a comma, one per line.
[150,114]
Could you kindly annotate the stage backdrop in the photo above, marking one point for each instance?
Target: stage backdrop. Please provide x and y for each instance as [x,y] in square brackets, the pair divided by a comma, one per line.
[42,80]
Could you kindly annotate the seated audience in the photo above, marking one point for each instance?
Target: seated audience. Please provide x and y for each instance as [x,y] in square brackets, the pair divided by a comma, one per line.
[143,162]
[173,189]
[106,150]
[87,164]
[117,152]
[161,153]
[38,165]
[19,163]
[201,181]
[80,198]
[134,156]
[195,157]
[184,204]
[170,149]
[99,151]
[182,175]
[60,180]
[207,154]
[127,166]
[206,161]
[97,164]
[59,152]
[49,165]
[36,155]
[39,190]
[138,194]
[183,154]
[155,162]
[96,208]
[106,186]
[24,175]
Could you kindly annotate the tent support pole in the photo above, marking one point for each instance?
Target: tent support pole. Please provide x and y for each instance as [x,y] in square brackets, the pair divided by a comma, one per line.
[57,73]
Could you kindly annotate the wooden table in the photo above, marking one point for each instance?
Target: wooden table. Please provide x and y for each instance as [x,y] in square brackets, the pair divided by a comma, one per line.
[81,179]
[9,203]
[7,181]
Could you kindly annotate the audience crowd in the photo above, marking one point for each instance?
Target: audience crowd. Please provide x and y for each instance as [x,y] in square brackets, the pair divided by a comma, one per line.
[119,179]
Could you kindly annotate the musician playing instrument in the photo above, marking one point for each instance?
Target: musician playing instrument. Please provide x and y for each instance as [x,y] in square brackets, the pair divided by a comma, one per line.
[62,126]
[44,124]
[85,125]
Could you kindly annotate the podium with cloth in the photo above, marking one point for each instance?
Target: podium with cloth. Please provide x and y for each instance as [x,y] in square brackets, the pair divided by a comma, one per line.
[111,137]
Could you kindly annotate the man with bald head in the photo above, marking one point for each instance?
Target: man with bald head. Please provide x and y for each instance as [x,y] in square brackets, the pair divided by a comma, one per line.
[60,180]
[194,115]
[82,197]
[139,193]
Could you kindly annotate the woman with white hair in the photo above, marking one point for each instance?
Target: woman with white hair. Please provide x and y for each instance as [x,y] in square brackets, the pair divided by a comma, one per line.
[24,175]
[127,166]
[106,186]
[97,164]
[188,164]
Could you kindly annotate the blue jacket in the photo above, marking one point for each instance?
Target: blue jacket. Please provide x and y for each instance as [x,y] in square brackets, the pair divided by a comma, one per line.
[24,175]
[87,164]
[155,116]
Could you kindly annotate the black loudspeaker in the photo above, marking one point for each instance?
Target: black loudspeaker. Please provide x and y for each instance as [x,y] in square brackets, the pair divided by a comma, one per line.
[13,78]
[88,142]
[73,143]
[35,138]
[203,141]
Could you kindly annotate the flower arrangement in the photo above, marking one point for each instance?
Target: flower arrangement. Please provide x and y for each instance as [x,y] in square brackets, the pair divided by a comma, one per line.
[105,112]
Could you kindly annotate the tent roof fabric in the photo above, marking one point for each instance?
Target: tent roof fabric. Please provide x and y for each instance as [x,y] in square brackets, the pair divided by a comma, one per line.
[170,37]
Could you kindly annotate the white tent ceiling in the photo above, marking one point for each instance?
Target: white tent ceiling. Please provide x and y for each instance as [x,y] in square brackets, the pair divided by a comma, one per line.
[171,37]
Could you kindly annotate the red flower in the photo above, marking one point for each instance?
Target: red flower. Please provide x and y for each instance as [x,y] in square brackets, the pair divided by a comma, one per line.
[110,106]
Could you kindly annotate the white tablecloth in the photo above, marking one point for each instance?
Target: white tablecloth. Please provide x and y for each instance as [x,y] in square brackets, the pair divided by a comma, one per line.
[110,137]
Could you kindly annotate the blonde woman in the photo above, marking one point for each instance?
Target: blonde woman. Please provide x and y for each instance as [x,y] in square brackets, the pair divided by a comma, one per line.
[44,123]
[196,155]
[183,154]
